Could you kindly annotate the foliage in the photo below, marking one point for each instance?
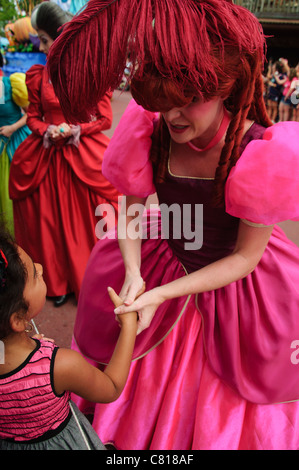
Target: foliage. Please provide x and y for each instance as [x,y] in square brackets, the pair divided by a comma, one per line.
[8,12]
[26,5]
[11,10]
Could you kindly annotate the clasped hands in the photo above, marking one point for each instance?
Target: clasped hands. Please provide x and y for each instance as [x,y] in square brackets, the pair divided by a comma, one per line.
[62,131]
[136,299]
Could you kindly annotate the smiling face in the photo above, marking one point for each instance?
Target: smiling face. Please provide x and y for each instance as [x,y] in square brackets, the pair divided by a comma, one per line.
[197,121]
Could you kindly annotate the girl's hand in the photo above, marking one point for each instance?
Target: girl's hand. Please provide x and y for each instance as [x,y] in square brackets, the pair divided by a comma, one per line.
[117,301]
[146,306]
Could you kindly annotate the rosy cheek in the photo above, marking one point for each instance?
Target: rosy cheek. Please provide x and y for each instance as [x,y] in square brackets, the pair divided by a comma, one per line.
[205,110]
[207,106]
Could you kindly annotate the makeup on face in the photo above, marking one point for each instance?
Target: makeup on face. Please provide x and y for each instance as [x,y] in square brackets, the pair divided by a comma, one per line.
[45,41]
[198,121]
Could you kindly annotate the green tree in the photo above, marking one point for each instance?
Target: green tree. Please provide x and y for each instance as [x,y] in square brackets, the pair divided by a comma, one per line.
[8,13]
[11,10]
[27,5]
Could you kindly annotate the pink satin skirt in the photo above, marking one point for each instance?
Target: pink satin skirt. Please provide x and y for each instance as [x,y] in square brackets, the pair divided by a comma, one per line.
[213,379]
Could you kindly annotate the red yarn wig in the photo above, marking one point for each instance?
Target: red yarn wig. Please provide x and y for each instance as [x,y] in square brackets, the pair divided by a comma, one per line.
[178,48]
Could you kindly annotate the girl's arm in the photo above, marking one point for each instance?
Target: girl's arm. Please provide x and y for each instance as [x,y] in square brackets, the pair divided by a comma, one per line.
[72,372]
[250,245]
[280,81]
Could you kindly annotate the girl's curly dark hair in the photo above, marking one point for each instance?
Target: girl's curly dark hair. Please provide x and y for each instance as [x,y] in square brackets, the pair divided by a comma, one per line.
[14,278]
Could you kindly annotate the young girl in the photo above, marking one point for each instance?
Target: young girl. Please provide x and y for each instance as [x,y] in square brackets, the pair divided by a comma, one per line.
[36,377]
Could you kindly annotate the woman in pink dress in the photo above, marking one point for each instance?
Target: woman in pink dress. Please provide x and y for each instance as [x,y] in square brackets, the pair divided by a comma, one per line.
[56,179]
[216,360]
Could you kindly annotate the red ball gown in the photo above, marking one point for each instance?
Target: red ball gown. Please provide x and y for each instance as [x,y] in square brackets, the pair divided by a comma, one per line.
[56,188]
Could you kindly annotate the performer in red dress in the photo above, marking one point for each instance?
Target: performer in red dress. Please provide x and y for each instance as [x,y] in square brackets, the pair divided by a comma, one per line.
[56,180]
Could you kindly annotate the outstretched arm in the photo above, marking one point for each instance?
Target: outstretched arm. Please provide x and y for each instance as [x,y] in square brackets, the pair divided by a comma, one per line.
[249,248]
[72,372]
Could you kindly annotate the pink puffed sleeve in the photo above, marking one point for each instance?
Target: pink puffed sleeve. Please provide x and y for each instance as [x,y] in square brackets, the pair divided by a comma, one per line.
[126,161]
[263,187]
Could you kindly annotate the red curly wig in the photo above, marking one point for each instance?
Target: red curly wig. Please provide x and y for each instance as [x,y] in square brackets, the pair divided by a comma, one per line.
[178,48]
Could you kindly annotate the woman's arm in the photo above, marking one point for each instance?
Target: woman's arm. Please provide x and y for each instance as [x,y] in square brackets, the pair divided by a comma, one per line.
[130,246]
[7,131]
[73,373]
[102,119]
[250,245]
[280,81]
[35,120]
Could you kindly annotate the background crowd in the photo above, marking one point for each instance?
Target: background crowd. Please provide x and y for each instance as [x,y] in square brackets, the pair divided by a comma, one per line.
[282,90]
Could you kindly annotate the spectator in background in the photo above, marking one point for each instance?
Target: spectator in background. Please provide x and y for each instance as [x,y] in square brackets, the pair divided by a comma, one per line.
[293,95]
[286,106]
[13,130]
[276,79]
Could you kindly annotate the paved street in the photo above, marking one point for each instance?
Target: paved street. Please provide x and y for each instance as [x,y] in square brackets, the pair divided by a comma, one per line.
[57,323]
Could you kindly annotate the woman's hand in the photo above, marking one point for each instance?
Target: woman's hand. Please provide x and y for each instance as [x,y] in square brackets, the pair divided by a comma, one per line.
[7,131]
[145,305]
[62,131]
[132,287]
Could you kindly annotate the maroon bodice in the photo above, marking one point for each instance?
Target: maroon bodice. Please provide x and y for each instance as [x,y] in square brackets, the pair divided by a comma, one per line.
[190,201]
[214,231]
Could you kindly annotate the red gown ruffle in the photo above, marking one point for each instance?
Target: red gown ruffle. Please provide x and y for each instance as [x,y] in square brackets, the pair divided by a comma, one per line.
[56,190]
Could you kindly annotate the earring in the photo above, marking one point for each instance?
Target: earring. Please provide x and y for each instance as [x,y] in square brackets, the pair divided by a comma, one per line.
[28,328]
